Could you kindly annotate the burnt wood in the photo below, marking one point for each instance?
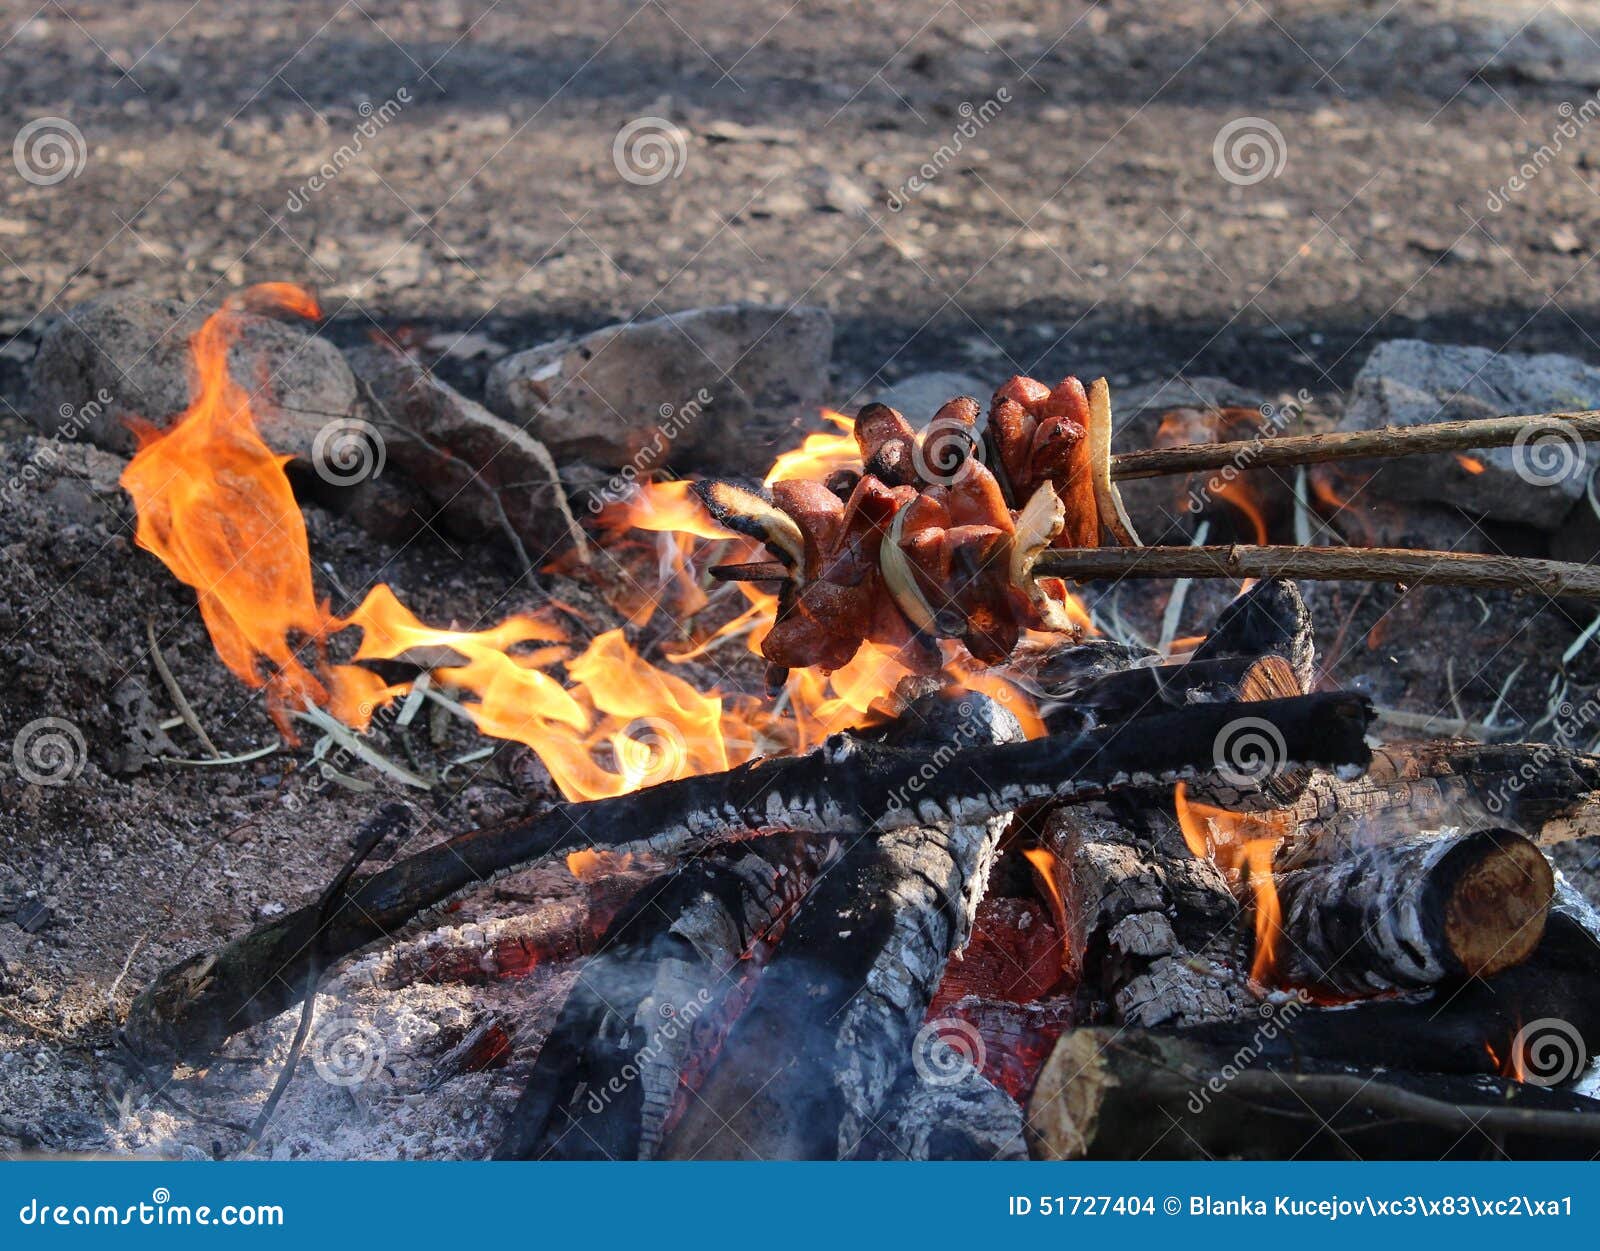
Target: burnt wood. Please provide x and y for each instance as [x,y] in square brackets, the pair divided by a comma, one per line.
[1413,912]
[844,787]
[1130,1094]
[646,1012]
[838,1016]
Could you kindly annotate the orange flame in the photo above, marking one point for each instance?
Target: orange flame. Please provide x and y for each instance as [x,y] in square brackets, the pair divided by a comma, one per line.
[1044,864]
[1471,464]
[1241,845]
[1243,500]
[215,505]
[820,454]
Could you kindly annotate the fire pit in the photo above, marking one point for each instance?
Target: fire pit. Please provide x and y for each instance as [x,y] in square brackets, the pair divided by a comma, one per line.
[955,872]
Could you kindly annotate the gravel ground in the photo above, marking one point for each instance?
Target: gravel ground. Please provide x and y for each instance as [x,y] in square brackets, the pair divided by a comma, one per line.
[993,188]
[1085,224]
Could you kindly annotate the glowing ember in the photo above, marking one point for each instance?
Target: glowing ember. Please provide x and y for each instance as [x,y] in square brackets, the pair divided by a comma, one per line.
[1471,464]
[215,506]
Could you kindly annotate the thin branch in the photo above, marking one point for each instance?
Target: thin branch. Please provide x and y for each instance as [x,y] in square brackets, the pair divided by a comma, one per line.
[179,700]
[1311,449]
[1325,564]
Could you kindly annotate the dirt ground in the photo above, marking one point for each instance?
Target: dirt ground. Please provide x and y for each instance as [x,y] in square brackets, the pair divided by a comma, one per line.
[1088,225]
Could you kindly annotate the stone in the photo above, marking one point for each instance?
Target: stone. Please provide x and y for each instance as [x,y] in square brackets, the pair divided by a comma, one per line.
[1408,382]
[463,459]
[920,396]
[126,355]
[719,389]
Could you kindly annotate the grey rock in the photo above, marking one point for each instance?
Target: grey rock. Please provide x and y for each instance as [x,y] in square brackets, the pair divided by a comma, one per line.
[720,389]
[126,355]
[920,396]
[1407,382]
[482,474]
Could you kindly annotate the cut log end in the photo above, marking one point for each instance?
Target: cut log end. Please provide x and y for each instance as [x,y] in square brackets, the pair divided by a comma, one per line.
[1496,907]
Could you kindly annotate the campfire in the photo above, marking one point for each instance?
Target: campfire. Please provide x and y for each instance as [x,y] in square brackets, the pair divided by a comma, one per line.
[960,874]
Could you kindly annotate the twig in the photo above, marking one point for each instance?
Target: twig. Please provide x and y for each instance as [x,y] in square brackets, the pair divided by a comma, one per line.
[179,700]
[1311,449]
[191,762]
[379,826]
[1325,564]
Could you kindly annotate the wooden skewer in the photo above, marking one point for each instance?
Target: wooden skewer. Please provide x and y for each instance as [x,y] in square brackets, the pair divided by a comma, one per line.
[1325,564]
[1310,449]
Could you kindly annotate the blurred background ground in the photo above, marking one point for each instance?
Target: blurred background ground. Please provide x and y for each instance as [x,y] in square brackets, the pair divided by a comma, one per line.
[1086,226]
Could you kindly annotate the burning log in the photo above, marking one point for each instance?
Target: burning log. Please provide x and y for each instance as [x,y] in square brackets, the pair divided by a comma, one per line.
[1414,912]
[1550,793]
[842,788]
[1130,1094]
[1138,912]
[806,1072]
[1501,1024]
[646,1015]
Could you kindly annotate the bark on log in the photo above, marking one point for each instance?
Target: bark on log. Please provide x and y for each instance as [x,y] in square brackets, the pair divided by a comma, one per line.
[1152,929]
[1129,1094]
[835,1019]
[844,787]
[1413,913]
[645,1015]
[1549,793]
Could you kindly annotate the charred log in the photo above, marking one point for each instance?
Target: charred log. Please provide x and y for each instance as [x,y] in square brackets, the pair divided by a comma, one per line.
[1548,792]
[1129,1094]
[845,787]
[1541,1016]
[646,1013]
[1414,912]
[808,1069]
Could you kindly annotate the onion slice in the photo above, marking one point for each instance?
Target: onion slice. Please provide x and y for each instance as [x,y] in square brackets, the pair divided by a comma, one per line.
[750,513]
[1108,502]
[901,578]
[1038,524]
